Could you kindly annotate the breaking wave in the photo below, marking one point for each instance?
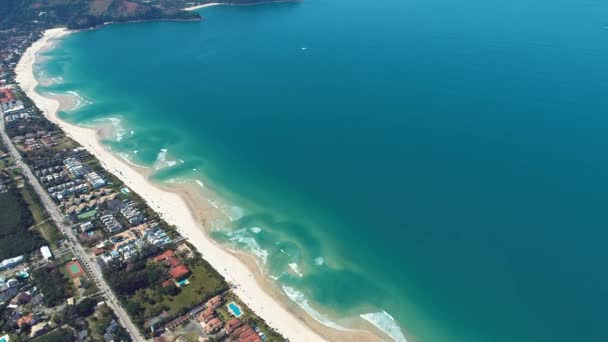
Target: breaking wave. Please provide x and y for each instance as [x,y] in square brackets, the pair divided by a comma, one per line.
[242,238]
[163,162]
[385,322]
[294,267]
[255,230]
[300,299]
[319,261]
[80,101]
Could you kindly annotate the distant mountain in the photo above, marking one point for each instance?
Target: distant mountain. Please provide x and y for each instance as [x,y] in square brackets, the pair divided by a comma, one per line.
[88,13]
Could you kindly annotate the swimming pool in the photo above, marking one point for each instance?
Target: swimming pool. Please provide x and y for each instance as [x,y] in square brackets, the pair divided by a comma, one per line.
[236,311]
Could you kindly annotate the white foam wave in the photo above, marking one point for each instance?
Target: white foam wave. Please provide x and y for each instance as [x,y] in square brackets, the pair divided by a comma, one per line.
[117,129]
[80,101]
[241,237]
[255,230]
[162,161]
[283,251]
[385,322]
[319,261]
[200,183]
[294,267]
[300,299]
[127,158]
[234,213]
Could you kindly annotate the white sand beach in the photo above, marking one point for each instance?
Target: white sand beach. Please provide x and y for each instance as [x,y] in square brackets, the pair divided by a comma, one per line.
[193,8]
[171,206]
[189,212]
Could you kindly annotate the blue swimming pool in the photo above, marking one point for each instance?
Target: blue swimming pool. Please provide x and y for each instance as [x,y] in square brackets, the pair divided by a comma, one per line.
[235,309]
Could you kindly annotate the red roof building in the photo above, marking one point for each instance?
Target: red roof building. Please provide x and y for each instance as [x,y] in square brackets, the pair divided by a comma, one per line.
[247,333]
[167,283]
[25,320]
[252,338]
[232,324]
[213,325]
[179,272]
[172,261]
[166,254]
[6,95]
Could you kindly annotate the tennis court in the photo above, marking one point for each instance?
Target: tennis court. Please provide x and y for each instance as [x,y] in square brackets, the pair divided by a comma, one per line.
[74,269]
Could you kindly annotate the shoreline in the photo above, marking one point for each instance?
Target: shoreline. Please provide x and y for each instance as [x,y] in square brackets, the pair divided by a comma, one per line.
[196,7]
[179,205]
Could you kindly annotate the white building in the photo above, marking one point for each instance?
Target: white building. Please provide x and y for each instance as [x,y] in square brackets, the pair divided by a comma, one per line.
[46,252]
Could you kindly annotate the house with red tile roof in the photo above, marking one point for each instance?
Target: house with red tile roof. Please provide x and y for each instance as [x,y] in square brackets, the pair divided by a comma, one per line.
[232,324]
[179,272]
[166,254]
[172,261]
[25,320]
[213,326]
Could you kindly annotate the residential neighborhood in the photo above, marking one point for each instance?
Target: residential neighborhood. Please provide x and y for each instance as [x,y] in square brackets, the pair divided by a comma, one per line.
[87,259]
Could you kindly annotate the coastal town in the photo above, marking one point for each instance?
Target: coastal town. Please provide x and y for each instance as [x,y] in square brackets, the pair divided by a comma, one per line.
[104,249]
[84,257]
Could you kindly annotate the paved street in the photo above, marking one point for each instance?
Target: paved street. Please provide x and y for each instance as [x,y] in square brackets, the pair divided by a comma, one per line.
[91,268]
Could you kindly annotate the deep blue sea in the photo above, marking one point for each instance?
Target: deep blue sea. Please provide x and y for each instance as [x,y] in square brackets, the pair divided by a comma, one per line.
[439,167]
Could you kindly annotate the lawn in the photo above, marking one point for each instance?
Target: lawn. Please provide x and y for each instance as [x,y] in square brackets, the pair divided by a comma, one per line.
[6,161]
[15,219]
[43,224]
[203,285]
[87,215]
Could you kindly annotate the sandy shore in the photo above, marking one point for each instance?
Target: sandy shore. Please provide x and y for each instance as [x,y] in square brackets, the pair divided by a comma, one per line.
[186,209]
[193,8]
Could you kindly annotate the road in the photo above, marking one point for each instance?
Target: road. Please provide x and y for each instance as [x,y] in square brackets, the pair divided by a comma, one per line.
[91,268]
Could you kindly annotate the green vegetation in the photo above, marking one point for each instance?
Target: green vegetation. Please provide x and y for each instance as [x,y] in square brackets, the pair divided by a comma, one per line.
[99,322]
[53,284]
[143,296]
[85,307]
[57,335]
[249,317]
[43,223]
[84,13]
[140,276]
[15,220]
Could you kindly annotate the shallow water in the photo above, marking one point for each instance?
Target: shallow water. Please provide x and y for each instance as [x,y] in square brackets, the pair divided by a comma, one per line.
[435,167]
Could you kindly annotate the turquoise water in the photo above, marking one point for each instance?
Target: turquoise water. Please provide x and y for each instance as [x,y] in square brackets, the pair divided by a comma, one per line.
[440,162]
[235,309]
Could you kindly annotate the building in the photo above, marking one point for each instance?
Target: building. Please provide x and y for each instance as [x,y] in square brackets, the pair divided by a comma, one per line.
[38,329]
[85,227]
[46,252]
[232,325]
[75,167]
[179,272]
[95,180]
[10,263]
[112,225]
[166,254]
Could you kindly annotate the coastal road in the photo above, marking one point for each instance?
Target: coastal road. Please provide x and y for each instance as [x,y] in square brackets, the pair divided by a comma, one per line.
[92,269]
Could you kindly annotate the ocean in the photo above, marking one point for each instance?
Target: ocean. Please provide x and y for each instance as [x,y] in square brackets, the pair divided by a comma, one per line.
[437,168]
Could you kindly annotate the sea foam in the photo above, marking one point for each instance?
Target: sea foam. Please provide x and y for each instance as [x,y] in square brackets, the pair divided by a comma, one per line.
[80,101]
[319,261]
[241,237]
[255,230]
[294,267]
[385,322]
[162,161]
[300,299]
